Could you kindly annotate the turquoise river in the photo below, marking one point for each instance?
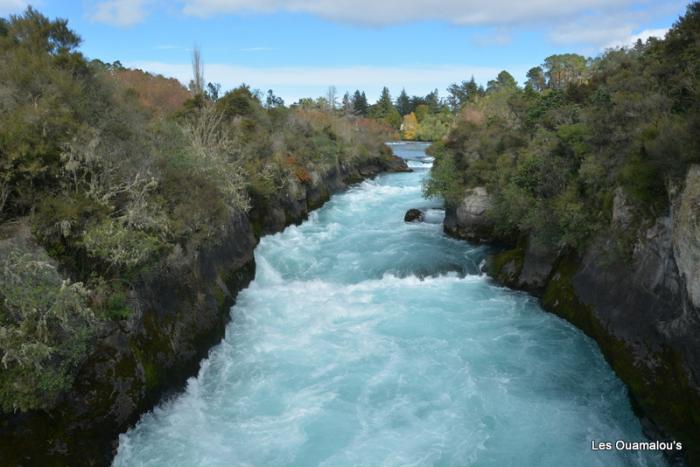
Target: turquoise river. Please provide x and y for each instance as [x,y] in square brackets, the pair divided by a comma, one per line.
[364,340]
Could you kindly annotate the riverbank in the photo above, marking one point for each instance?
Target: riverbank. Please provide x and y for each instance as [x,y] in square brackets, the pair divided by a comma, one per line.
[640,308]
[367,340]
[177,314]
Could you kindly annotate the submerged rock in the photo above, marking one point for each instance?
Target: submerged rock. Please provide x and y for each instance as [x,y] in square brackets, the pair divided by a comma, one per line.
[414,215]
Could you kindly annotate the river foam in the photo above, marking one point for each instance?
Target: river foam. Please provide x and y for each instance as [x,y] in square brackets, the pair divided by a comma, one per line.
[364,340]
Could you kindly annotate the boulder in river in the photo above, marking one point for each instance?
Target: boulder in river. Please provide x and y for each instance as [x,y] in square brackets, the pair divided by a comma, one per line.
[414,215]
[468,219]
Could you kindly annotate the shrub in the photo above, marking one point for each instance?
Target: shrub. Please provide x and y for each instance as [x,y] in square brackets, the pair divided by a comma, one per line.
[45,325]
[444,180]
[119,246]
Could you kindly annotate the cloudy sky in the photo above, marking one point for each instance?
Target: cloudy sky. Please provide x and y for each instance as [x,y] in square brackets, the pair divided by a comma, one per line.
[300,47]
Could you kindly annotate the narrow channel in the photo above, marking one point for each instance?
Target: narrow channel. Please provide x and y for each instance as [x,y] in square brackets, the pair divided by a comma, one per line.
[364,340]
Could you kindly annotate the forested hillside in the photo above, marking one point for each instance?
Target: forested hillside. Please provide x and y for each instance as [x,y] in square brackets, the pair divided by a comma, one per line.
[107,174]
[553,152]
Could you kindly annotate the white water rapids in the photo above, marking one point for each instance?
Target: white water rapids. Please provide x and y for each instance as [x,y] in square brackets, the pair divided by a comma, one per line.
[364,340]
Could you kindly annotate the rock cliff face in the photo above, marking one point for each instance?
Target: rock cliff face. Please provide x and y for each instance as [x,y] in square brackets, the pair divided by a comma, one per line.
[686,235]
[468,220]
[643,311]
[178,314]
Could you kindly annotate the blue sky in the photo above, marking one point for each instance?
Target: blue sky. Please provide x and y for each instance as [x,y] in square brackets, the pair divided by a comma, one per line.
[300,47]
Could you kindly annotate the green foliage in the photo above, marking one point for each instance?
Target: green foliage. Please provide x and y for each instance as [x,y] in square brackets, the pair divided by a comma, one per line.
[114,169]
[536,79]
[44,331]
[403,103]
[466,92]
[562,70]
[504,80]
[109,300]
[385,110]
[641,180]
[444,180]
[120,246]
[553,153]
[434,127]
[360,105]
[238,102]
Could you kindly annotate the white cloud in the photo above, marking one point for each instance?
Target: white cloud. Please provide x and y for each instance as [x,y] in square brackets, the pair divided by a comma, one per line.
[592,30]
[601,31]
[373,12]
[630,40]
[120,12]
[294,82]
[615,27]
[12,6]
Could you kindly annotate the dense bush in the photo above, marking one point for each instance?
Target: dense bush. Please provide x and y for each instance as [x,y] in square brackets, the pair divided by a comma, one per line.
[45,325]
[114,169]
[553,153]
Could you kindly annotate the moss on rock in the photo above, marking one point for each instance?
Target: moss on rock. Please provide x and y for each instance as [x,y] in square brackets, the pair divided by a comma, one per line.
[506,266]
[659,384]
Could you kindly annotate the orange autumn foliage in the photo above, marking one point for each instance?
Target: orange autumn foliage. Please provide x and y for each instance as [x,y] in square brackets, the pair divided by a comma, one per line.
[161,95]
[299,170]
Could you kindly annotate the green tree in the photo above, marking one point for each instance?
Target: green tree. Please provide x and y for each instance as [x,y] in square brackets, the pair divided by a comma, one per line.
[403,103]
[359,103]
[238,102]
[422,111]
[42,103]
[272,101]
[384,109]
[536,79]
[35,32]
[384,104]
[432,100]
[564,69]
[462,93]
[504,80]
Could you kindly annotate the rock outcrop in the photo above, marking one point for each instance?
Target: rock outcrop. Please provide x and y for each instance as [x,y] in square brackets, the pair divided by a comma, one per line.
[178,313]
[527,267]
[622,211]
[686,235]
[641,309]
[469,218]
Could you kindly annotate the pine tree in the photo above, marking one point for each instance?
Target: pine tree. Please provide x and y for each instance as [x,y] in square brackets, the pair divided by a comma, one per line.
[403,103]
[359,103]
[384,105]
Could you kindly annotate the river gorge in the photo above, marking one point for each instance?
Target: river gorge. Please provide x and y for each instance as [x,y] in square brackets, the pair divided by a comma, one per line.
[365,340]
